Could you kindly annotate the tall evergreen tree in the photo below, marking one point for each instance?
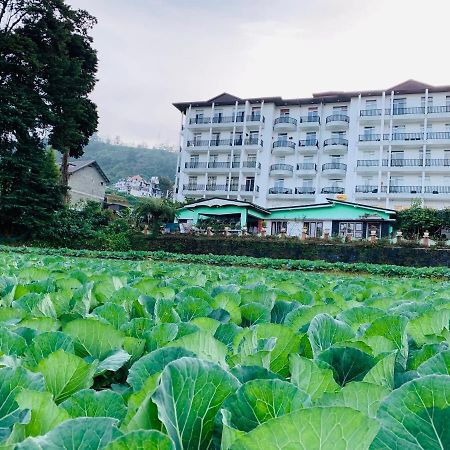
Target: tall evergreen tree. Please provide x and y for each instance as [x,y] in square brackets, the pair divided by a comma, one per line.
[47,70]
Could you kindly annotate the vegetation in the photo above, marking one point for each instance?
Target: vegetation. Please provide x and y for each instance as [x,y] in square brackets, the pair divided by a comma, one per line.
[243,261]
[415,220]
[120,161]
[117,354]
[47,70]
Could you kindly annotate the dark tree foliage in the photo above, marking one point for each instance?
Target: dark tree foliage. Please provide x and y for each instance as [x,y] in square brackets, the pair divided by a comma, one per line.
[47,69]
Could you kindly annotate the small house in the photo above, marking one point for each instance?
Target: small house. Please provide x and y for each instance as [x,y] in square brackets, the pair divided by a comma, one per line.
[87,182]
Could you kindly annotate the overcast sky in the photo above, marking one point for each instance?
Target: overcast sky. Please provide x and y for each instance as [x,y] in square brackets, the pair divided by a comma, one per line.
[156,52]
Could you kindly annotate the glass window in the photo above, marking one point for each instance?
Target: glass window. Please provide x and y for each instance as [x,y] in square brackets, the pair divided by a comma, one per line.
[284,112]
[353,228]
[314,229]
[371,104]
[277,226]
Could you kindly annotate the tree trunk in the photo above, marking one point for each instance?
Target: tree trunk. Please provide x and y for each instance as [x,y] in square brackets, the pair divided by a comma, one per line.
[65,175]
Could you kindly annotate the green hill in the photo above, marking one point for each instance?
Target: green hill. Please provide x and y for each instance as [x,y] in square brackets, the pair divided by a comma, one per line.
[119,161]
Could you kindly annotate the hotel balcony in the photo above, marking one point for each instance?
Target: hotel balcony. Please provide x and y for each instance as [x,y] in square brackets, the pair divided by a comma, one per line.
[306,191]
[367,165]
[434,190]
[251,167]
[281,169]
[218,189]
[405,138]
[309,122]
[280,193]
[306,169]
[368,191]
[406,114]
[197,144]
[196,166]
[438,138]
[248,190]
[193,188]
[227,122]
[438,113]
[334,168]
[283,147]
[285,123]
[255,120]
[332,190]
[337,121]
[200,122]
[335,144]
[308,146]
[369,140]
[219,166]
[370,115]
[253,142]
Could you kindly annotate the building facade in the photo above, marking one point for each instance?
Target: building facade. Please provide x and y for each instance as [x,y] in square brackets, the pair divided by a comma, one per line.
[139,186]
[335,217]
[385,148]
[87,182]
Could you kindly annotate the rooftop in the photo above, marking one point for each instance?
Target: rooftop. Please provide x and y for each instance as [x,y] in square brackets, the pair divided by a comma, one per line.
[406,87]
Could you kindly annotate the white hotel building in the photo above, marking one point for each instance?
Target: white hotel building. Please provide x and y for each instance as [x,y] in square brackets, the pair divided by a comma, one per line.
[384,148]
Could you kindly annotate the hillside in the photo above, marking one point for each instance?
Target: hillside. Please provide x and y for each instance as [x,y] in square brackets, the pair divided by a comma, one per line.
[119,161]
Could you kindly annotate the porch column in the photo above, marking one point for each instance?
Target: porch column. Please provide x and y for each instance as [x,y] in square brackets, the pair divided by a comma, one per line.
[244,218]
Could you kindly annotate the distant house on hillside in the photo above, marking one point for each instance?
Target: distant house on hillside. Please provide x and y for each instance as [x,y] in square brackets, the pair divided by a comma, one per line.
[87,182]
[139,186]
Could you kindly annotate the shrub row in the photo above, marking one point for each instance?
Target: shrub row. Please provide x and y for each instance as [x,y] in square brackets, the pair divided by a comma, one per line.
[244,261]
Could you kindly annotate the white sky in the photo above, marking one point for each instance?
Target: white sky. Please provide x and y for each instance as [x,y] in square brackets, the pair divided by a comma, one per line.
[156,52]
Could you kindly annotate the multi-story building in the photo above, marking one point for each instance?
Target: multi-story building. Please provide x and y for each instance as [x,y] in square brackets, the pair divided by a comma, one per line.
[137,186]
[385,148]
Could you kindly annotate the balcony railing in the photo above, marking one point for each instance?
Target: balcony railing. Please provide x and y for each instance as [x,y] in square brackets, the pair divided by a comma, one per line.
[234,187]
[400,111]
[308,143]
[283,143]
[200,120]
[218,165]
[367,162]
[238,141]
[438,135]
[251,165]
[195,165]
[437,162]
[255,118]
[220,142]
[406,163]
[437,189]
[404,189]
[369,137]
[253,141]
[193,187]
[333,190]
[285,119]
[310,119]
[280,190]
[335,141]
[198,143]
[223,119]
[286,167]
[305,190]
[306,166]
[370,112]
[334,166]
[367,189]
[407,136]
[216,187]
[249,188]
[338,118]
[438,109]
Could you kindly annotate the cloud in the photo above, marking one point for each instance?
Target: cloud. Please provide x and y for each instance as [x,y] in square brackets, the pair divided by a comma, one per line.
[155,52]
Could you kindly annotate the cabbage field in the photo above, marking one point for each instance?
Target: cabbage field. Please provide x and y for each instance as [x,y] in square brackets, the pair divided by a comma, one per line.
[104,354]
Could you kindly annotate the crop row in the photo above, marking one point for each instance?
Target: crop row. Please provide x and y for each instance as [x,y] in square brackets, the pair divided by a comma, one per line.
[244,261]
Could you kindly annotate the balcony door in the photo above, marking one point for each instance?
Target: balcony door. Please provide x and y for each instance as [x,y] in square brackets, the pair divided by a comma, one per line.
[192,182]
[279,184]
[212,182]
[399,105]
[284,112]
[218,115]
[282,137]
[397,158]
[312,112]
[250,184]
[311,138]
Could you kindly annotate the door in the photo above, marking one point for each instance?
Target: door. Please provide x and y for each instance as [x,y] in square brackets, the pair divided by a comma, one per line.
[250,184]
[218,114]
[399,106]
[311,138]
[212,182]
[397,158]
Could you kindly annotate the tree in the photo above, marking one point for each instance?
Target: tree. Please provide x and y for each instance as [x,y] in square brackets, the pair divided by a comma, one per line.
[46,44]
[154,212]
[166,185]
[415,220]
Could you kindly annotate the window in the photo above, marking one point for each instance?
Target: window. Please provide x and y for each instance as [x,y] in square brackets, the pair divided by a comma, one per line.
[218,114]
[251,157]
[277,227]
[192,181]
[213,158]
[197,138]
[338,134]
[284,112]
[311,138]
[371,104]
[238,138]
[240,116]
[399,105]
[282,137]
[279,183]
[307,182]
[314,229]
[339,109]
[281,159]
[198,116]
[234,183]
[368,131]
[249,184]
[212,181]
[313,111]
[353,228]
